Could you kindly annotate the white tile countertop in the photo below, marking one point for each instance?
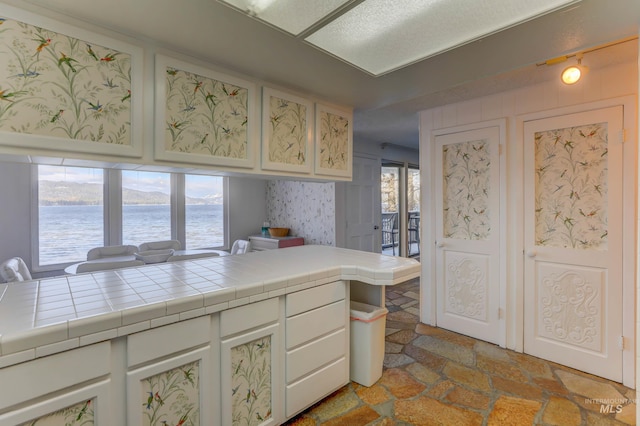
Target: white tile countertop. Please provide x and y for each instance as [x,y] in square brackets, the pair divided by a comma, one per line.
[42,317]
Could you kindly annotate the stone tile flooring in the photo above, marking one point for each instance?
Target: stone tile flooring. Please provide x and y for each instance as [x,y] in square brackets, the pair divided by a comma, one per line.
[436,377]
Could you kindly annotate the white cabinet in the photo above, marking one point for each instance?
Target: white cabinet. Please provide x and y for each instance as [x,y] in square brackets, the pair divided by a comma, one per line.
[251,385]
[317,342]
[59,389]
[256,364]
[171,376]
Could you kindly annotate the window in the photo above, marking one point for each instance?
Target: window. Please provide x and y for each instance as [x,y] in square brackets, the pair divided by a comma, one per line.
[146,207]
[70,213]
[70,204]
[204,212]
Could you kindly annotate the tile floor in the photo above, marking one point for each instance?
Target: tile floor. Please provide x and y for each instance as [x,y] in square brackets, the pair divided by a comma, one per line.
[437,377]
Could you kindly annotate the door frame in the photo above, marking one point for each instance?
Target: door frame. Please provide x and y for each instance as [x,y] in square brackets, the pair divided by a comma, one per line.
[629,223]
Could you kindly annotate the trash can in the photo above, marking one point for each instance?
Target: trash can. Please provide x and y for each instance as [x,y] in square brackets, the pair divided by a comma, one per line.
[367,327]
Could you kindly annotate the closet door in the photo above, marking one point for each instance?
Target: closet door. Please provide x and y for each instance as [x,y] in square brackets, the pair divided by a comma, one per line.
[573,240]
[468,215]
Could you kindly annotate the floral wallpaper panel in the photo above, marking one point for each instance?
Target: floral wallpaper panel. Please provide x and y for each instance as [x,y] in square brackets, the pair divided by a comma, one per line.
[55,85]
[172,397]
[251,382]
[466,176]
[571,187]
[307,208]
[287,132]
[80,414]
[205,116]
[333,141]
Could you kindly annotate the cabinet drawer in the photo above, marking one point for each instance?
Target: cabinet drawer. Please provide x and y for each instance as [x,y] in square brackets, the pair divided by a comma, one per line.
[307,391]
[310,325]
[153,344]
[315,297]
[248,316]
[315,354]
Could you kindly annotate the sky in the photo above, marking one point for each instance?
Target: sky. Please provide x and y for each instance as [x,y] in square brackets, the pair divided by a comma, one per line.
[198,186]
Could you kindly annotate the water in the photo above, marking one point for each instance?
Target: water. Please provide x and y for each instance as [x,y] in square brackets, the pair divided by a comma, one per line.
[68,232]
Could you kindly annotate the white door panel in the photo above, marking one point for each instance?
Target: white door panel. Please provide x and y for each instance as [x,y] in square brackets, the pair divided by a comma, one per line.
[573,240]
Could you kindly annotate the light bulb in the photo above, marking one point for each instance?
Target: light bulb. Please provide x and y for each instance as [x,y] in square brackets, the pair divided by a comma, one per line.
[571,74]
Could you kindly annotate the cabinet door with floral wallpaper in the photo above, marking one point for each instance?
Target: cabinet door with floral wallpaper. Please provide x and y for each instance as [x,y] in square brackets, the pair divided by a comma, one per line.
[65,88]
[250,382]
[203,116]
[82,407]
[286,132]
[175,391]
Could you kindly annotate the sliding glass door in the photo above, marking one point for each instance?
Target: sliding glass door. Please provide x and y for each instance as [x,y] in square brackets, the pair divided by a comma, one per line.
[400,204]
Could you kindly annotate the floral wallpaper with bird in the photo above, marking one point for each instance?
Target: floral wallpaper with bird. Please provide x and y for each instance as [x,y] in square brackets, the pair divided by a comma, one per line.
[205,116]
[173,397]
[334,141]
[55,85]
[80,414]
[571,187]
[288,132]
[466,172]
[251,382]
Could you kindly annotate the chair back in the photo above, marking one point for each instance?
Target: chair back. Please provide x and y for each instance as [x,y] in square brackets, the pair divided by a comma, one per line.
[103,266]
[240,247]
[13,270]
[161,245]
[111,251]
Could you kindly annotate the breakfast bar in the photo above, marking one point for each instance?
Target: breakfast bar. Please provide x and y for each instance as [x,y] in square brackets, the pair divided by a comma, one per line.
[262,336]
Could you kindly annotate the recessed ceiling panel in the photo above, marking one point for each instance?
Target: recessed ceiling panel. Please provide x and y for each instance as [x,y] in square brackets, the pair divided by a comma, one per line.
[380,36]
[292,16]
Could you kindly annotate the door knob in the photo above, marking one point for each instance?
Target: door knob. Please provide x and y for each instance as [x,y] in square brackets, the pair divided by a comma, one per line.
[439,244]
[532,253]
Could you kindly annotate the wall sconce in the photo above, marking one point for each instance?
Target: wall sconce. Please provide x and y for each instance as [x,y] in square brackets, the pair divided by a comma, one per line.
[572,74]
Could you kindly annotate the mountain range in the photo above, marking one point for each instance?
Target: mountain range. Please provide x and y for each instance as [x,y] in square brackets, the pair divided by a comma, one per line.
[57,193]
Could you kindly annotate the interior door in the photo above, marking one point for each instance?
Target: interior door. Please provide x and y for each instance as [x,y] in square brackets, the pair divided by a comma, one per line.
[573,240]
[467,168]
[363,205]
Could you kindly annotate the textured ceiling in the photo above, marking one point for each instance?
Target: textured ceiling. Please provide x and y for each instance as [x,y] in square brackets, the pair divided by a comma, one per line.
[385,107]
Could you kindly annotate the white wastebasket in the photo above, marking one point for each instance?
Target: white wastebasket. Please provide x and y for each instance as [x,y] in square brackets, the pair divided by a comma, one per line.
[367,342]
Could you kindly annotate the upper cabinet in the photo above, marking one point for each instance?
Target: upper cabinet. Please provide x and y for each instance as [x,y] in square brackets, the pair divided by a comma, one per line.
[287,123]
[202,116]
[334,142]
[69,93]
[67,89]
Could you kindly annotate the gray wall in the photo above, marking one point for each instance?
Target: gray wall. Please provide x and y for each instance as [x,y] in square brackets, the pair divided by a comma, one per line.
[15,212]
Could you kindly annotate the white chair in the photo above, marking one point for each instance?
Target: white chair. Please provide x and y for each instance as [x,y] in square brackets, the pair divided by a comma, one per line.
[112,251]
[240,247]
[161,245]
[14,270]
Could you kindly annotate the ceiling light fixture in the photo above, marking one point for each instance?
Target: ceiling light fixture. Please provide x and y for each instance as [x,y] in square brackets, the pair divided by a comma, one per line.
[573,73]
[381,36]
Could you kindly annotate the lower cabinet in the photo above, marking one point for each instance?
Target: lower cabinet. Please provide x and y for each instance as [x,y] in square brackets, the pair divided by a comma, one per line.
[317,342]
[257,364]
[250,382]
[170,375]
[65,387]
